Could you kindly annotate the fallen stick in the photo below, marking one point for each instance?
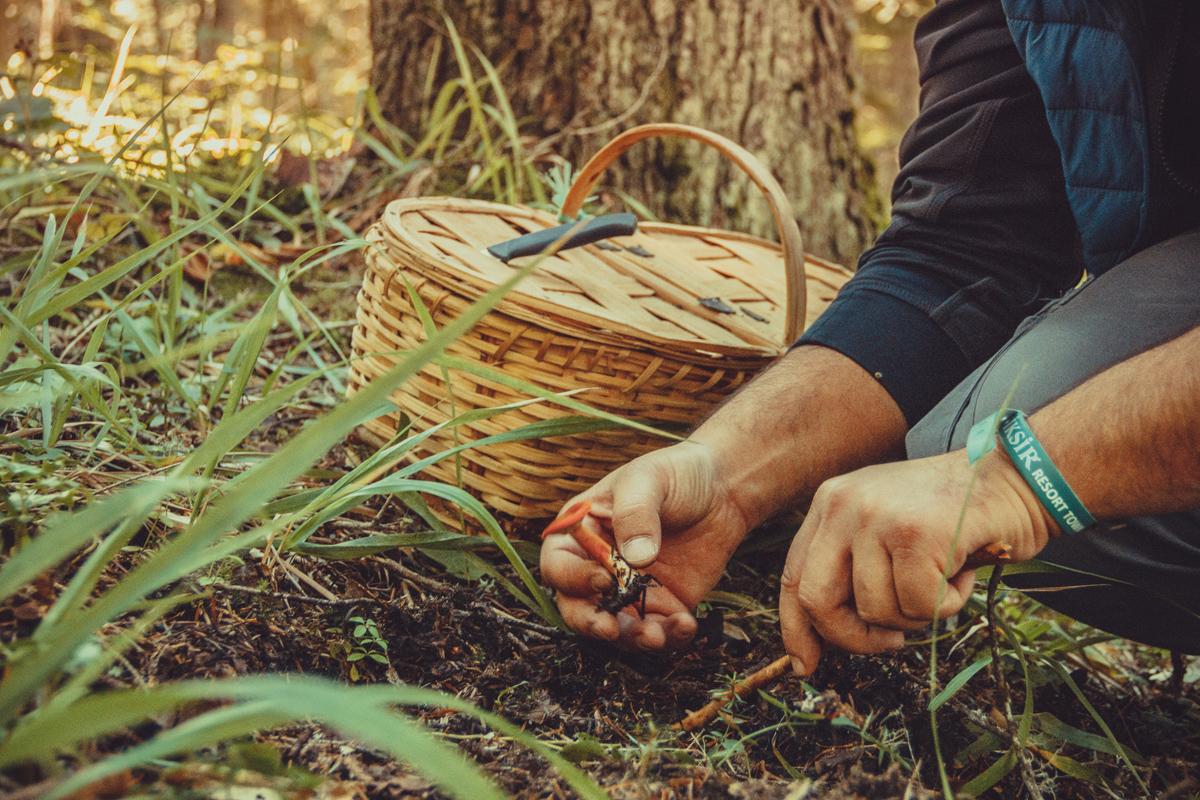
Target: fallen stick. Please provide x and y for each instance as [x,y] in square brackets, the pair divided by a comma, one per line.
[751,683]
[997,554]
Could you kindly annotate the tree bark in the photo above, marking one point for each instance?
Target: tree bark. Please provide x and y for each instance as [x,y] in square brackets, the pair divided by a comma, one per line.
[215,28]
[779,78]
[18,28]
[48,28]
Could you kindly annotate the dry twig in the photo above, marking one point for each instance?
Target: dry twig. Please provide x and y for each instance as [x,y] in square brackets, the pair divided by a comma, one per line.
[751,683]
[412,576]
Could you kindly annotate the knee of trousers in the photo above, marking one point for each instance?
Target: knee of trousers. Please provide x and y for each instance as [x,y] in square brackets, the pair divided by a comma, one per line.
[1147,300]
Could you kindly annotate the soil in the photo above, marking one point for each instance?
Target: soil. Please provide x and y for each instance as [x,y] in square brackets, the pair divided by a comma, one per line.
[858,728]
[612,710]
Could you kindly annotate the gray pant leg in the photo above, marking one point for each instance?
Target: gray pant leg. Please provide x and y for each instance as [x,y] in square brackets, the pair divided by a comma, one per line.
[1140,577]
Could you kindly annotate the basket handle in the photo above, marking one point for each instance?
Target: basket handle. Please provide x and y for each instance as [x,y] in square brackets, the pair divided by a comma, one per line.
[781,209]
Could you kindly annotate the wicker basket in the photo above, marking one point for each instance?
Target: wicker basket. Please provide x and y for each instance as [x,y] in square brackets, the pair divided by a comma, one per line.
[624,318]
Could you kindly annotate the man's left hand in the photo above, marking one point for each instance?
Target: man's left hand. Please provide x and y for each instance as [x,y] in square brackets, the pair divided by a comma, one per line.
[882,550]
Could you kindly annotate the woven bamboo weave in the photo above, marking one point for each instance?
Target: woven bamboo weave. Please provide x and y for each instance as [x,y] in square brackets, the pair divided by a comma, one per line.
[621,319]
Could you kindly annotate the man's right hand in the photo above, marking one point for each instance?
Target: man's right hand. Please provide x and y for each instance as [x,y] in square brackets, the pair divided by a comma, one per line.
[680,512]
[671,516]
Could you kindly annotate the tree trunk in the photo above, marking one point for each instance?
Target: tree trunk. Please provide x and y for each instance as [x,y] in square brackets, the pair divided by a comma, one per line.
[48,28]
[215,28]
[160,30]
[777,77]
[18,28]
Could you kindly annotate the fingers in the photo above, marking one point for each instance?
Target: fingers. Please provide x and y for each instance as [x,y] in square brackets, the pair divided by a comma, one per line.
[568,569]
[642,634]
[667,624]
[825,591]
[963,584]
[875,599]
[800,639]
[580,582]
[680,630]
[637,497]
[843,627]
[584,617]
[919,583]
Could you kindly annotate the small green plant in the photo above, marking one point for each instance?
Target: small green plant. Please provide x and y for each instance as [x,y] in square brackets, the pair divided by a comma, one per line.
[367,644]
[559,179]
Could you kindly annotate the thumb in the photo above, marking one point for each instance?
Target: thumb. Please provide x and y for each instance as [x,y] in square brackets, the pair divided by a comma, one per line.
[637,498]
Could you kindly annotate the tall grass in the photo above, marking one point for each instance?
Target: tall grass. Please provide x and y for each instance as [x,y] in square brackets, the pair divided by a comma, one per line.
[1027,648]
[41,703]
[108,353]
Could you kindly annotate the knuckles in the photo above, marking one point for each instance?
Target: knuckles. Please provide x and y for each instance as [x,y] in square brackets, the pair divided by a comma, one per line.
[905,535]
[833,496]
[916,604]
[790,579]
[846,499]
[815,603]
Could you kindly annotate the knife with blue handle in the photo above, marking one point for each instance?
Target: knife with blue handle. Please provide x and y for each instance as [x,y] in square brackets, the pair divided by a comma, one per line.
[594,230]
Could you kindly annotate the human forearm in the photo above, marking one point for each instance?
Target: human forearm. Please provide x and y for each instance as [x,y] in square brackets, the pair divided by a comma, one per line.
[814,414]
[1128,440]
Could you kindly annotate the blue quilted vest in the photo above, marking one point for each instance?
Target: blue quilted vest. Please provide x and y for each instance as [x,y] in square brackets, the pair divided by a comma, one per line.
[1083,56]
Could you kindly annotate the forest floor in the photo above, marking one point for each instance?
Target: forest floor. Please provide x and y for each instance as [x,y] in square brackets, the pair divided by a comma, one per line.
[1037,705]
[858,728]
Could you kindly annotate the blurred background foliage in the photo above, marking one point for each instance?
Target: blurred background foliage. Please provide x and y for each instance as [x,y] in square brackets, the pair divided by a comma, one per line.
[94,71]
[889,92]
[296,68]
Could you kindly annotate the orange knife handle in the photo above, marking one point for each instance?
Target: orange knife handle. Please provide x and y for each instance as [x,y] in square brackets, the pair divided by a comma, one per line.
[568,518]
[586,532]
[991,554]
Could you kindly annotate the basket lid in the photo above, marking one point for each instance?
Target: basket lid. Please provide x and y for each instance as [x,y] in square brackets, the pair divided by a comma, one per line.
[713,289]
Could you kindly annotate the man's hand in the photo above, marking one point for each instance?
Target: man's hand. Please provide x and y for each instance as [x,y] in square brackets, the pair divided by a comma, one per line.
[683,510]
[672,517]
[871,559]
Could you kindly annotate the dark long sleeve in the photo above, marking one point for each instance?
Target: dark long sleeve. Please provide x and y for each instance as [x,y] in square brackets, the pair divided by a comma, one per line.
[981,232]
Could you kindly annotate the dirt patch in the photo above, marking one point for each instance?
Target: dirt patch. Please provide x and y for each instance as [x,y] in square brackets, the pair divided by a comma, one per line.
[857,728]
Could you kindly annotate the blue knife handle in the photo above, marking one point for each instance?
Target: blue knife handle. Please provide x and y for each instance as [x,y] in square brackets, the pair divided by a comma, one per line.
[594,230]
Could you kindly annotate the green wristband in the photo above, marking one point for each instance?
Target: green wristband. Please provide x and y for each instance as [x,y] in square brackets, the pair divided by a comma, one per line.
[1033,463]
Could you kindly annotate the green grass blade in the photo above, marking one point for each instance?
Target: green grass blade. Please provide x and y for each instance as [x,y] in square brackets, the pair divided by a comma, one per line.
[84,580]
[1025,723]
[79,684]
[474,100]
[364,546]
[958,682]
[1052,726]
[30,339]
[243,356]
[66,533]
[564,399]
[991,776]
[477,510]
[211,728]
[331,504]
[77,293]
[1062,673]
[154,354]
[262,701]
[240,502]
